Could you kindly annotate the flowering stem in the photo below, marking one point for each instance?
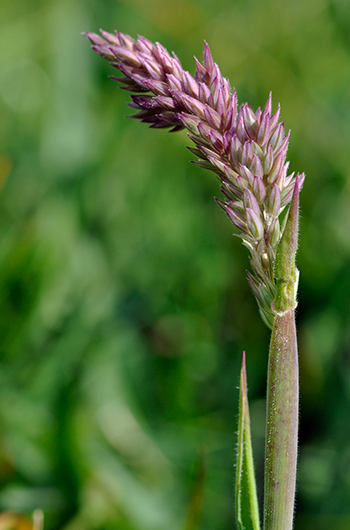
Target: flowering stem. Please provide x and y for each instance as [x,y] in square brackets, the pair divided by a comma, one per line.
[247,151]
[283,383]
[282,424]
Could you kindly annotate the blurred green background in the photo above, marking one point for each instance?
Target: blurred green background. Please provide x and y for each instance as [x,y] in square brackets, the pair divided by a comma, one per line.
[123,299]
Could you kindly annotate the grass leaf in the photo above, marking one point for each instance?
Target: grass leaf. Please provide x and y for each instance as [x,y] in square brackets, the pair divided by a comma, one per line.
[247,511]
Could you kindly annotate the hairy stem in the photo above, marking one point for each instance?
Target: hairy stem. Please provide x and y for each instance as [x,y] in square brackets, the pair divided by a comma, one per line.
[282,424]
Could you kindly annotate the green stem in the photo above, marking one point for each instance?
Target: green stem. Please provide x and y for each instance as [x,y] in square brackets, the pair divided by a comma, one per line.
[281,424]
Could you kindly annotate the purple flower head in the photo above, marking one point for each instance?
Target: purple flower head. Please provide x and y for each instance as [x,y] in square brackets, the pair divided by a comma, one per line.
[246,149]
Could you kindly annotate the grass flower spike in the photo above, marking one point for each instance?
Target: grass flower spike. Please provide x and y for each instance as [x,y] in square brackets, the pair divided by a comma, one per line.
[247,151]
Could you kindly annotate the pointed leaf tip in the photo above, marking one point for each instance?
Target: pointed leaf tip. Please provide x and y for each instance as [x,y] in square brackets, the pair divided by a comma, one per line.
[247,511]
[285,270]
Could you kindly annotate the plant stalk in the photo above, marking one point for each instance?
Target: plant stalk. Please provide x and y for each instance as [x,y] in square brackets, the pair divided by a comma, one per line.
[281,424]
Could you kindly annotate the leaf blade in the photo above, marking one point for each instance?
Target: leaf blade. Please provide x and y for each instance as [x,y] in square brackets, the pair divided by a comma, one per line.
[247,510]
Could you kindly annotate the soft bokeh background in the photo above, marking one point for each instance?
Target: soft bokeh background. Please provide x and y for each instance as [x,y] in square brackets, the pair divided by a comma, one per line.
[123,300]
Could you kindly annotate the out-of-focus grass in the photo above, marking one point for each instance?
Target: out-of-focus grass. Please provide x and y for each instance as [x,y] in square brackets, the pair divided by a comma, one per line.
[124,306]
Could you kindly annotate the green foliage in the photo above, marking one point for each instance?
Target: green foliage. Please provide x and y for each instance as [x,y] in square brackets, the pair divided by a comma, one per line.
[123,300]
[247,511]
[286,273]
